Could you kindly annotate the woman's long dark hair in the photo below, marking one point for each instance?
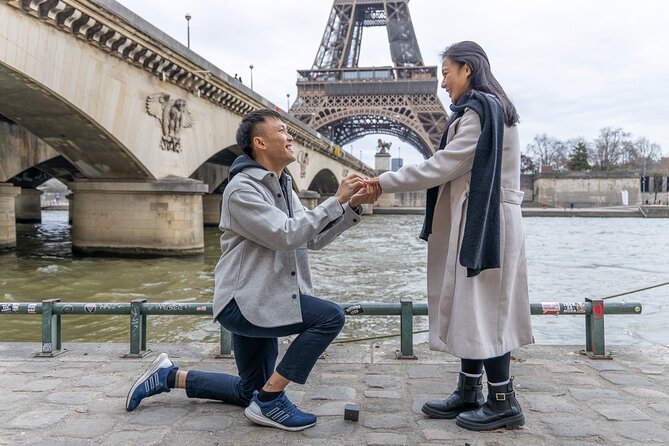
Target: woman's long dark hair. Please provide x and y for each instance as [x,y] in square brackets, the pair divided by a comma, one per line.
[481,78]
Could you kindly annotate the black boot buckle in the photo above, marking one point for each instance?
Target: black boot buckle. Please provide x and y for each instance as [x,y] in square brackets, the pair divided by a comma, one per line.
[500,397]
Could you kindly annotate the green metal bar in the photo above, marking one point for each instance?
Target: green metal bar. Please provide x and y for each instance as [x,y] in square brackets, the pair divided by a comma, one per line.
[406,329]
[577,308]
[51,329]
[205,309]
[594,330]
[137,330]
[363,309]
[91,308]
[143,333]
[226,343]
[139,309]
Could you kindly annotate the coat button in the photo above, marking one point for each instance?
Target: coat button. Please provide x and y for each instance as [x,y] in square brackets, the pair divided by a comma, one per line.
[292,273]
[278,195]
[355,220]
[294,296]
[272,175]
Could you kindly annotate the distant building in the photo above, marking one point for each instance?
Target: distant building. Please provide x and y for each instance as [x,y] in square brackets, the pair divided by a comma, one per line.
[396,164]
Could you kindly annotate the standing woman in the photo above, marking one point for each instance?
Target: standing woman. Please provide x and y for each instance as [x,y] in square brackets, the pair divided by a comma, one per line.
[476,271]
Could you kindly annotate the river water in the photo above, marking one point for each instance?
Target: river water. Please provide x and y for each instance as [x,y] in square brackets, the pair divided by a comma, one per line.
[381,260]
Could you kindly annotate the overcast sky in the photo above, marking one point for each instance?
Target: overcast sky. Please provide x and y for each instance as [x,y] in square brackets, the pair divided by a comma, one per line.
[571,67]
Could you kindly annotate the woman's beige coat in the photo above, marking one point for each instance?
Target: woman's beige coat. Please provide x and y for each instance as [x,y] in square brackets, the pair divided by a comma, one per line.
[487,315]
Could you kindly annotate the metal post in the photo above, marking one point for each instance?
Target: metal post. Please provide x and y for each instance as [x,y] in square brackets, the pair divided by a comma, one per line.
[594,331]
[137,329]
[226,344]
[406,330]
[188,17]
[51,330]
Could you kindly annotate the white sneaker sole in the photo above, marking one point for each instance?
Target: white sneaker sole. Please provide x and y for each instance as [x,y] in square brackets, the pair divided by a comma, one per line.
[264,421]
[150,370]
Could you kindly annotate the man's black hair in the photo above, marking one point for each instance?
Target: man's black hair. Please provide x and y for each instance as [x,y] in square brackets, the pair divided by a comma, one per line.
[246,130]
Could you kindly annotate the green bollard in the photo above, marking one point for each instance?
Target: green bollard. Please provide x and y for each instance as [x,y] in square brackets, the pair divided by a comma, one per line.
[226,344]
[51,330]
[406,330]
[594,331]
[137,330]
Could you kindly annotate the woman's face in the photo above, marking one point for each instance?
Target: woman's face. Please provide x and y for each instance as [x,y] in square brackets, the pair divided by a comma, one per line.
[456,79]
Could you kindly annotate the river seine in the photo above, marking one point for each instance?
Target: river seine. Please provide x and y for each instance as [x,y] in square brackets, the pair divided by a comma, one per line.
[381,260]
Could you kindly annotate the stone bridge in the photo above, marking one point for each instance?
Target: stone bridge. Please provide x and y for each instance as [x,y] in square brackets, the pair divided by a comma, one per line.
[139,127]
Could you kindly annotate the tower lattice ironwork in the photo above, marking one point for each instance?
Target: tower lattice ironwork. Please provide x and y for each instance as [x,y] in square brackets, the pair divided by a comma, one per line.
[345,102]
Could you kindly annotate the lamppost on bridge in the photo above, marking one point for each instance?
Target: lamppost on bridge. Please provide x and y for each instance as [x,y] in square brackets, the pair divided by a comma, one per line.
[287,102]
[251,68]
[188,17]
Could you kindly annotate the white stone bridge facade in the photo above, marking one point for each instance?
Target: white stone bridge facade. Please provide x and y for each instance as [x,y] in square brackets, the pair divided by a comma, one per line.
[140,128]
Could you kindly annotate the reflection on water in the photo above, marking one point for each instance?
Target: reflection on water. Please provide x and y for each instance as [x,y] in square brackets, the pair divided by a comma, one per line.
[381,260]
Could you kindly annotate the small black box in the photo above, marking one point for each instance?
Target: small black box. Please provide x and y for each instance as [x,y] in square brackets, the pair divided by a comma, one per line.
[352,412]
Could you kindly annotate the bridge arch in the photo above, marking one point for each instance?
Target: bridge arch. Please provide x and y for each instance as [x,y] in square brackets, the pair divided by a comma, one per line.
[325,183]
[66,129]
[349,125]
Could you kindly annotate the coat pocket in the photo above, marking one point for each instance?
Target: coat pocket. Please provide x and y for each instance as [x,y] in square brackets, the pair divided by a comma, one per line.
[512,196]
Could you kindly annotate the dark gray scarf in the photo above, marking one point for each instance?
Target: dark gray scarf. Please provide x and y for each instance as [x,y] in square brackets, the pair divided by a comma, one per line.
[480,248]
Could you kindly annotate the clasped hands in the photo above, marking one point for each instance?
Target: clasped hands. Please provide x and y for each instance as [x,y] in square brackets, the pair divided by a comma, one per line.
[356,190]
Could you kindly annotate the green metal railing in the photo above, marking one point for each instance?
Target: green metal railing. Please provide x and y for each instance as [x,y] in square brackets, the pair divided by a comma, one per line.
[52,311]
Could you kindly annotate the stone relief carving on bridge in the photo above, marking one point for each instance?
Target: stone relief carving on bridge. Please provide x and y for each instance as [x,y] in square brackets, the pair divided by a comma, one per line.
[303,161]
[173,116]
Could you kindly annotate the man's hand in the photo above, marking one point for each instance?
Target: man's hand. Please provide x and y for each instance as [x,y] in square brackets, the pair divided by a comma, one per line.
[349,186]
[368,194]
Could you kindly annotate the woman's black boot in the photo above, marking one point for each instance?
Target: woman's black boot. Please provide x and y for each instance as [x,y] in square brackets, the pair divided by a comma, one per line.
[467,396]
[500,409]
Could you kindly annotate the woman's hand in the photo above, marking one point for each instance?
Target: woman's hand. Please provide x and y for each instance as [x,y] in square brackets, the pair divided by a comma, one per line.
[369,194]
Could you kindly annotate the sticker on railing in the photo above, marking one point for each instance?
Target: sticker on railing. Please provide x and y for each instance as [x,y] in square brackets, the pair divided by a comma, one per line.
[5,308]
[550,308]
[32,308]
[354,309]
[67,309]
[90,308]
[573,307]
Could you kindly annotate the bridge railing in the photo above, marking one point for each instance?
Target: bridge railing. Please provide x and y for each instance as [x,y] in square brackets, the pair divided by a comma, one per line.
[52,311]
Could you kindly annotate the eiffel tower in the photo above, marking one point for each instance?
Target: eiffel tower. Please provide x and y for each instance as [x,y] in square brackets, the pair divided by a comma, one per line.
[346,102]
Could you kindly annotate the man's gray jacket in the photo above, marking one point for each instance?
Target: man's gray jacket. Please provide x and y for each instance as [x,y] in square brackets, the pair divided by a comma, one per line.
[264,264]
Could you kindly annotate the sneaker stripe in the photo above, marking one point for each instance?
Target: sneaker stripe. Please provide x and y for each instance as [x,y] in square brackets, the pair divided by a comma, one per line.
[277,415]
[272,412]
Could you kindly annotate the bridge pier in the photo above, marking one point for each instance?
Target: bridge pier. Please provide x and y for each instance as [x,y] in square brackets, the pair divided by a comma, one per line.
[309,198]
[211,209]
[29,206]
[8,195]
[138,218]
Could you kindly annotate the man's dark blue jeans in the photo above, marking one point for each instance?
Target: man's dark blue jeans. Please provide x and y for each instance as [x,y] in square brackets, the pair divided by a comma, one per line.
[256,349]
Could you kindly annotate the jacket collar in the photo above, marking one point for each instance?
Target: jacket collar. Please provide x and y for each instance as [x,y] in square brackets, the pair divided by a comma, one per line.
[262,175]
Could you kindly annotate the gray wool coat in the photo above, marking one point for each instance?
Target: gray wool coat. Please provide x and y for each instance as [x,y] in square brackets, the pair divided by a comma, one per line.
[264,263]
[487,315]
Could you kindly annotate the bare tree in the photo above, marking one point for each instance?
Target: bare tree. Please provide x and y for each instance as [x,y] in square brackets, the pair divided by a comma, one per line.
[608,150]
[548,151]
[645,154]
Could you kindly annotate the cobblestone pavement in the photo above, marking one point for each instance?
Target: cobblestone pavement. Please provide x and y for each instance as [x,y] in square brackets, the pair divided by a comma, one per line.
[78,398]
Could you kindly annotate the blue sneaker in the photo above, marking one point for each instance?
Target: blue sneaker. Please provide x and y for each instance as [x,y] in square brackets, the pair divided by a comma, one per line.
[152,382]
[279,413]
